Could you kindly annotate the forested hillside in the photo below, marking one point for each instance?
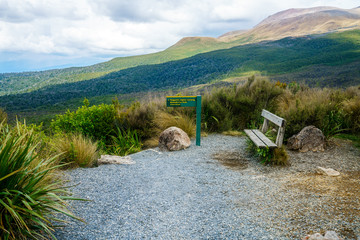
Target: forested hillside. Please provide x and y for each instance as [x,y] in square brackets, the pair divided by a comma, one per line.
[288,23]
[289,55]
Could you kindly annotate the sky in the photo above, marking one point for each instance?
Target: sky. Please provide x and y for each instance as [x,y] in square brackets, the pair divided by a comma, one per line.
[44,34]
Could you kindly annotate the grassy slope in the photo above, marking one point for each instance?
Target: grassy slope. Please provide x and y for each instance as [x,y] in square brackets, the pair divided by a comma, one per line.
[271,58]
[11,83]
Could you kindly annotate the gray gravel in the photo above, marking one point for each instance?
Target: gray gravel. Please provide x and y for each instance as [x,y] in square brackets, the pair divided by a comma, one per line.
[190,195]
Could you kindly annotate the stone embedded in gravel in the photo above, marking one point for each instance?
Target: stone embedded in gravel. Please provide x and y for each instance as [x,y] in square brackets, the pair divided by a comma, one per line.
[111,159]
[309,138]
[328,171]
[174,139]
[329,235]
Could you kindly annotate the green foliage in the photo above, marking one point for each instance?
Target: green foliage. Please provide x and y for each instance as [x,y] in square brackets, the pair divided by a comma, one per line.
[331,110]
[351,111]
[125,142]
[273,156]
[95,122]
[139,116]
[234,108]
[30,193]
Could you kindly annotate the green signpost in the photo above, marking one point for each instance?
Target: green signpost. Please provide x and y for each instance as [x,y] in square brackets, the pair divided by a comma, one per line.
[188,101]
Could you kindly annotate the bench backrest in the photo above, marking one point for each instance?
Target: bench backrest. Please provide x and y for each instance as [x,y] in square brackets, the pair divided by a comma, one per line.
[280,122]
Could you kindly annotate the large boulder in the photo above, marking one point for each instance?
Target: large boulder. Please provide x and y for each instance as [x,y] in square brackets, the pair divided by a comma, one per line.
[309,138]
[174,139]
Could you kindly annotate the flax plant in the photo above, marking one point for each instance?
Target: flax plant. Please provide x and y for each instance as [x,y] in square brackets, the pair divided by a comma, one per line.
[28,200]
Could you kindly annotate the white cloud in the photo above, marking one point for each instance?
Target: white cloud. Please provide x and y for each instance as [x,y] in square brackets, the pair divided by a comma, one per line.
[84,28]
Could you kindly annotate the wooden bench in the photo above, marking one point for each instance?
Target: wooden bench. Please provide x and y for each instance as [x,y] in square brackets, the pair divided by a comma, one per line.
[258,137]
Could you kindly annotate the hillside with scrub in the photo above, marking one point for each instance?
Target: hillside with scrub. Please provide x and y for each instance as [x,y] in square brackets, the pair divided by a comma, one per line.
[323,61]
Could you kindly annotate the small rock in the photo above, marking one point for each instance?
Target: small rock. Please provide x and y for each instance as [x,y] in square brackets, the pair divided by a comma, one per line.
[329,235]
[174,139]
[112,159]
[328,171]
[309,138]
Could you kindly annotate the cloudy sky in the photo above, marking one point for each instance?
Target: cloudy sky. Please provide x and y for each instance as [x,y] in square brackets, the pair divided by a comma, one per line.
[43,34]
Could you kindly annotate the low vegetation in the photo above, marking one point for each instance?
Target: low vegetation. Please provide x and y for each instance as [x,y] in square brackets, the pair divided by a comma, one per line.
[30,191]
[75,150]
[120,129]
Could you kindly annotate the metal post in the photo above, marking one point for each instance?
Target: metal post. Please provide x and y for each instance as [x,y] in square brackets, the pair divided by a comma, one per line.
[198,120]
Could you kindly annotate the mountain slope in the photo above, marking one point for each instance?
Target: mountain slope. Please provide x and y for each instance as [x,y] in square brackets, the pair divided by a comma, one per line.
[289,23]
[270,58]
[301,22]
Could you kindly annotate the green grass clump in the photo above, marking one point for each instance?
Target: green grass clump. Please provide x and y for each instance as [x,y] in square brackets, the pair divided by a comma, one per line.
[125,142]
[272,156]
[30,193]
[76,150]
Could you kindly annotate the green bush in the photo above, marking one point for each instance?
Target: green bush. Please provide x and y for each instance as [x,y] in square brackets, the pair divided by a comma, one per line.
[331,110]
[30,193]
[139,116]
[96,122]
[235,108]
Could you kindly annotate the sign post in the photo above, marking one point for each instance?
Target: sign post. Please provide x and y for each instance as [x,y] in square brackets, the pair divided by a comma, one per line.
[188,101]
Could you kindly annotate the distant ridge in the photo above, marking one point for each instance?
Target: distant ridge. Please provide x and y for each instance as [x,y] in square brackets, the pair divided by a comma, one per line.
[300,22]
[288,23]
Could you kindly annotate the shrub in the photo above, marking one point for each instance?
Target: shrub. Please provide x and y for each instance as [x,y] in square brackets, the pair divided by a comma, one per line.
[96,122]
[29,192]
[318,107]
[351,110]
[234,108]
[76,150]
[139,116]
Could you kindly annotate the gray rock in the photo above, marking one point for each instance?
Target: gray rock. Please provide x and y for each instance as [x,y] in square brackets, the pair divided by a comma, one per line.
[112,159]
[174,139]
[328,171]
[329,235]
[309,138]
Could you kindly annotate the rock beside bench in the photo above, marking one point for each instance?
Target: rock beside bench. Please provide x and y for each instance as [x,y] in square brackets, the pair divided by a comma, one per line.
[309,138]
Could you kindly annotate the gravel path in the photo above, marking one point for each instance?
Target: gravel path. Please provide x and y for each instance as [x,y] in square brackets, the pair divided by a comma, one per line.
[216,191]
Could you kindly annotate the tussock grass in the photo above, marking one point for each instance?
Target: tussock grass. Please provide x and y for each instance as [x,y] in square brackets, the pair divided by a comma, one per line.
[351,110]
[331,110]
[164,120]
[76,150]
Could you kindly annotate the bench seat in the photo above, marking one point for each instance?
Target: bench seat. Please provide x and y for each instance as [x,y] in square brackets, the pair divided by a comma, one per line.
[260,140]
[258,137]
